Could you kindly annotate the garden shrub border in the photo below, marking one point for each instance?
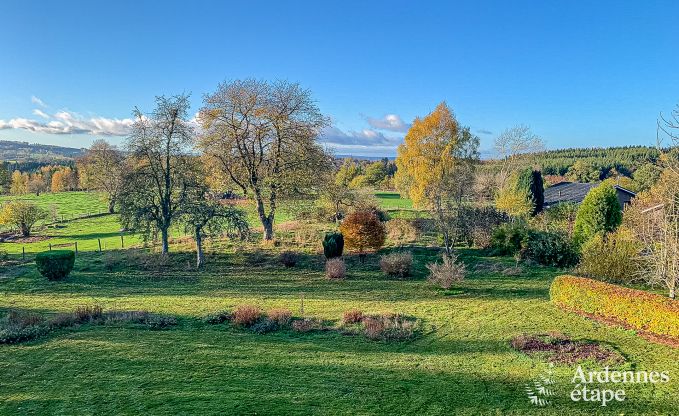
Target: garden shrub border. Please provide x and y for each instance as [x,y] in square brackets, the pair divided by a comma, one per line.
[654,316]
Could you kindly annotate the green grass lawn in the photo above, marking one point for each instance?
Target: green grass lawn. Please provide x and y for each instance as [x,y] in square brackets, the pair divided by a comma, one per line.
[66,204]
[462,365]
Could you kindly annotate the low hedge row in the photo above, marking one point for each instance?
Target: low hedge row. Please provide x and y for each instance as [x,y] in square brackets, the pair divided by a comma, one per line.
[630,307]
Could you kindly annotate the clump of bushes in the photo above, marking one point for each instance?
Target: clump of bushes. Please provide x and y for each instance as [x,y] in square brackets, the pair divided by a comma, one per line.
[477,223]
[447,273]
[264,326]
[281,317]
[289,258]
[88,313]
[612,257]
[217,318]
[550,248]
[352,316]
[507,239]
[631,308]
[18,327]
[246,315]
[335,268]
[333,245]
[400,230]
[56,264]
[397,264]
[390,327]
[307,325]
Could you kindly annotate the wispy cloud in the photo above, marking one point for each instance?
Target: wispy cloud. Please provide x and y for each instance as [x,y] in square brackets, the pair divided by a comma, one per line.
[484,131]
[66,122]
[38,101]
[364,138]
[391,122]
[41,113]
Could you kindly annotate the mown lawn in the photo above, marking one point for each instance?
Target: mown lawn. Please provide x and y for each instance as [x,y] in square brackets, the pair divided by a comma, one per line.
[462,365]
[66,204]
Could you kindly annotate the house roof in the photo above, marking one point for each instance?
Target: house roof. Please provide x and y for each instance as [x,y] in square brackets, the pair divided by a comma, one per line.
[573,192]
[567,192]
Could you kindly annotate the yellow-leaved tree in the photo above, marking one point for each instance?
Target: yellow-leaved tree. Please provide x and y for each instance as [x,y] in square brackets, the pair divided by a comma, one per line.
[435,168]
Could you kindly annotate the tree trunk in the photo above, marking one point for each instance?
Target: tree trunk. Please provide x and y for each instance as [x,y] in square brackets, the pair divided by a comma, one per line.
[673,292]
[268,229]
[199,248]
[165,240]
[111,205]
[25,230]
[267,220]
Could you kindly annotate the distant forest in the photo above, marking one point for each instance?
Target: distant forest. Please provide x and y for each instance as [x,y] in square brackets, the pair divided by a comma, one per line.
[599,163]
[11,151]
[605,162]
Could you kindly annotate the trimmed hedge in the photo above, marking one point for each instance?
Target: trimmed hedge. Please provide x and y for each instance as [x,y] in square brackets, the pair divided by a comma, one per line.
[56,264]
[630,307]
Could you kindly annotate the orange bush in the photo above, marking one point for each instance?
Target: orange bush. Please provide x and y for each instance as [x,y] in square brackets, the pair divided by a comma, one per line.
[630,307]
[352,316]
[246,315]
[362,231]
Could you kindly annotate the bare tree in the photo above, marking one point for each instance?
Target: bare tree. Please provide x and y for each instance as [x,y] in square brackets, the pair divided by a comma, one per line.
[263,137]
[512,143]
[103,167]
[660,223]
[161,173]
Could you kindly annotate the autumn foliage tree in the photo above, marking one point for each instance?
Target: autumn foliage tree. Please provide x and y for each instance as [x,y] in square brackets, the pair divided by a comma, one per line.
[103,167]
[21,216]
[436,168]
[262,136]
[363,231]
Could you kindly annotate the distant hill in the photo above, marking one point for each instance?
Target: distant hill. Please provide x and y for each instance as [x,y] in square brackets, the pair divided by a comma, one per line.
[22,152]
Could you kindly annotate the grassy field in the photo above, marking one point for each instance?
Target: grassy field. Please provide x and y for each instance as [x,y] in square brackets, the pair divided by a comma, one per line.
[66,204]
[87,231]
[462,365]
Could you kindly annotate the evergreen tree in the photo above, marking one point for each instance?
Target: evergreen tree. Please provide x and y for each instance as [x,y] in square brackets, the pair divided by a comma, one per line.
[600,212]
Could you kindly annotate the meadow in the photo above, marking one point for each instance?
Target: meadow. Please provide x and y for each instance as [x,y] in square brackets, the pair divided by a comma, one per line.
[462,364]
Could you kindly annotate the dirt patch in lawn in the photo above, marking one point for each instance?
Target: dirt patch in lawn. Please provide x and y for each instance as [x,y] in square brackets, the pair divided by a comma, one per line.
[560,349]
[13,238]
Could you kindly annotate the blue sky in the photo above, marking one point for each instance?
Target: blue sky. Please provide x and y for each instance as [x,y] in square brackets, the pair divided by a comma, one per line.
[582,73]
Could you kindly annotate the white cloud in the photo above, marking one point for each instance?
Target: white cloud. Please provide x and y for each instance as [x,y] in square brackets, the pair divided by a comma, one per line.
[364,139]
[391,122]
[66,122]
[41,113]
[38,101]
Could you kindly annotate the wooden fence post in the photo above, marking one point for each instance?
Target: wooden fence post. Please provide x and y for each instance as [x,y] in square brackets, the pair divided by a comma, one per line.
[99,241]
[50,246]
[76,247]
[122,242]
[23,253]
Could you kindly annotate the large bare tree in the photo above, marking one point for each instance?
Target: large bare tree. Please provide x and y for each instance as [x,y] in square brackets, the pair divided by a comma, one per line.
[510,145]
[162,172]
[263,137]
[102,166]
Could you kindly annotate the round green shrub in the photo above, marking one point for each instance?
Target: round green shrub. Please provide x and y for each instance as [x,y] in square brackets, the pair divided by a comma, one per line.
[333,245]
[600,212]
[56,264]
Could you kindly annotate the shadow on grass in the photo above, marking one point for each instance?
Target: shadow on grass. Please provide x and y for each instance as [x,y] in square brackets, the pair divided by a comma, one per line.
[215,371]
